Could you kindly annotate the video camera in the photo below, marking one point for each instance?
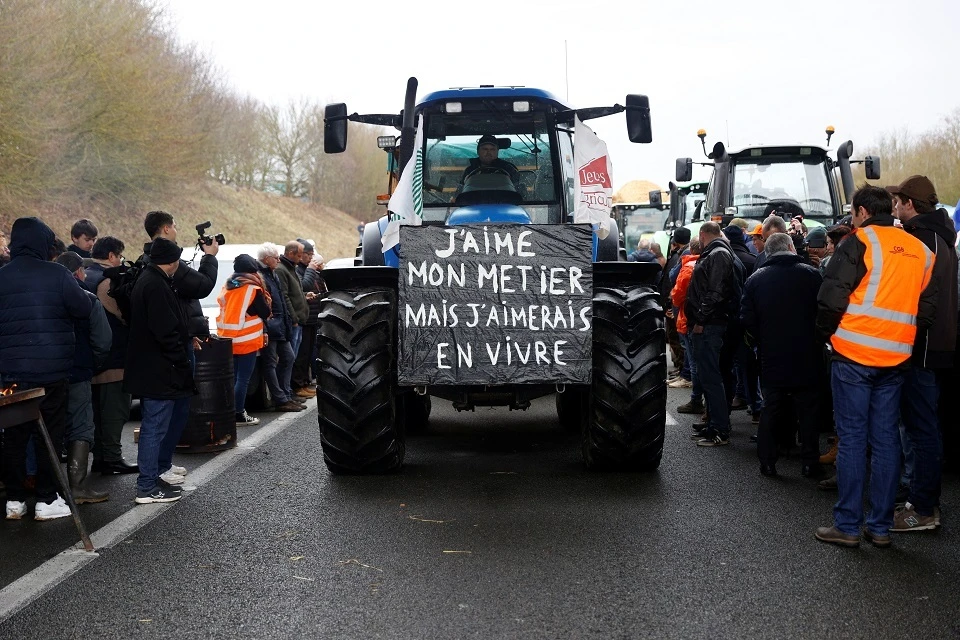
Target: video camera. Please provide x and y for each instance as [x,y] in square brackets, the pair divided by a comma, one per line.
[208,240]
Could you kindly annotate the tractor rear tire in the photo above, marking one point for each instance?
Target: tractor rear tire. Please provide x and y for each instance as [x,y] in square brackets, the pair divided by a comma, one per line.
[626,410]
[357,389]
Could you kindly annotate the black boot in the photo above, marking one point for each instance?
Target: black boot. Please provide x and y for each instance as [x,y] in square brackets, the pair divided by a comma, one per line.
[78,452]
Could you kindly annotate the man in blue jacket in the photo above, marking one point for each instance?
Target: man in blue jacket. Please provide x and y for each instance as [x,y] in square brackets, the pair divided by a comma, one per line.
[39,303]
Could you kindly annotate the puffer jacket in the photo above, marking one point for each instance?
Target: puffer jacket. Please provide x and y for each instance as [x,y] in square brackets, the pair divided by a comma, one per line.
[934,347]
[679,294]
[280,324]
[93,343]
[39,303]
[312,281]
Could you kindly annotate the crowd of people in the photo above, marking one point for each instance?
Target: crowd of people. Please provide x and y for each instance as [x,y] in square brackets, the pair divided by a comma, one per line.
[94,330]
[849,329]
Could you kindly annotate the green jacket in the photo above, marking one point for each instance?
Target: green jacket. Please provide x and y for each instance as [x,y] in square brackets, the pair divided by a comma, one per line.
[287,272]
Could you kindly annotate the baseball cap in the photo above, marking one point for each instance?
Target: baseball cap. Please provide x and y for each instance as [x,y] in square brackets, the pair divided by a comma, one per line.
[488,139]
[817,238]
[757,230]
[917,188]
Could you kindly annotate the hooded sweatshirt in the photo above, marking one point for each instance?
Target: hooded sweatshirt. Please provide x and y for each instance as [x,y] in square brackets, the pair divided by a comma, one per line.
[934,347]
[39,303]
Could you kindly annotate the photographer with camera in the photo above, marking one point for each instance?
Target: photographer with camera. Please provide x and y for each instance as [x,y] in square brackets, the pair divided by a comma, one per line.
[190,286]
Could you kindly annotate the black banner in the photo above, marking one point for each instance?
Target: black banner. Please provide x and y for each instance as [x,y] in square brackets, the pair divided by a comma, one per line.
[495,304]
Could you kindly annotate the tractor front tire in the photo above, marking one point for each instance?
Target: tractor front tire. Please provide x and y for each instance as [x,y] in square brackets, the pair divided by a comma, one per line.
[357,390]
[625,419]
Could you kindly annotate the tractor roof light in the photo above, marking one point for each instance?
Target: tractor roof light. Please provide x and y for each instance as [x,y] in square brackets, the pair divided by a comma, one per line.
[830,130]
[453,107]
[387,142]
[521,106]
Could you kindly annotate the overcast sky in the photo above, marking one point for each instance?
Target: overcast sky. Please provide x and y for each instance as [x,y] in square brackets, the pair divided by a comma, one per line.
[763,71]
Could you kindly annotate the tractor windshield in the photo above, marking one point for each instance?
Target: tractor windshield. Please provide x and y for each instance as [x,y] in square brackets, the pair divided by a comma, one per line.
[515,168]
[639,221]
[761,185]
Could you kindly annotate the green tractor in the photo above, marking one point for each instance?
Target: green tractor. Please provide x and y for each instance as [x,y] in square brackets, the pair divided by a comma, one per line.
[496,297]
[788,180]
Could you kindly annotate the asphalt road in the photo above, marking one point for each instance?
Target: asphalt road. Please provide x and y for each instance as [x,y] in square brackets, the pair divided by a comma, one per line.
[493,530]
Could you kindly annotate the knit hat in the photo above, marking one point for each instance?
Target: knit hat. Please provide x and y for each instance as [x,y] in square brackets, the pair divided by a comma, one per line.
[163,251]
[71,260]
[244,263]
[733,233]
[681,236]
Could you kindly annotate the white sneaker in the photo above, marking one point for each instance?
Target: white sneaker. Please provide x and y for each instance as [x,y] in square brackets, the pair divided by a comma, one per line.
[180,471]
[680,383]
[56,509]
[171,478]
[16,510]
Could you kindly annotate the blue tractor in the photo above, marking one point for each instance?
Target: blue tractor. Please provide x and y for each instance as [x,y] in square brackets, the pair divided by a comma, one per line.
[381,354]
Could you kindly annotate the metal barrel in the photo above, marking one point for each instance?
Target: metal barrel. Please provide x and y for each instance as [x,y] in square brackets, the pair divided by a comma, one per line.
[212,423]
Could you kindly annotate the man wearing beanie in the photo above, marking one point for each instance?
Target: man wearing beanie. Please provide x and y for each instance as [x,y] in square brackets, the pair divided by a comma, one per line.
[39,304]
[244,309]
[158,367]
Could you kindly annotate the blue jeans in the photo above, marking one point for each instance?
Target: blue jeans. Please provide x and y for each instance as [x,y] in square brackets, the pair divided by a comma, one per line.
[921,429]
[278,359]
[696,392]
[154,430]
[706,347]
[242,371]
[178,422]
[296,337]
[866,408]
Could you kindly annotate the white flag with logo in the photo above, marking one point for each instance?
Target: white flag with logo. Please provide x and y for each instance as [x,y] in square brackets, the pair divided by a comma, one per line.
[406,203]
[594,190]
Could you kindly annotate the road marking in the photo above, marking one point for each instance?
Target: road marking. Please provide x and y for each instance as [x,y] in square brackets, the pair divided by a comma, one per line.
[20,593]
[671,421]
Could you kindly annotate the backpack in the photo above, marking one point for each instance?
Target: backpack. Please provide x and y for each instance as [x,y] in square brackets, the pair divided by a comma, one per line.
[122,281]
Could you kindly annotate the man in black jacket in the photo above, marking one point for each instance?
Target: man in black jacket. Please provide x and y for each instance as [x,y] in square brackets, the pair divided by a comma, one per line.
[713,301]
[190,286]
[779,310]
[678,244]
[158,367]
[914,203]
[39,303]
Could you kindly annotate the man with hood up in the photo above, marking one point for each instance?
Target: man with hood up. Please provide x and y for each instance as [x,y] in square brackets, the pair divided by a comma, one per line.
[914,203]
[39,303]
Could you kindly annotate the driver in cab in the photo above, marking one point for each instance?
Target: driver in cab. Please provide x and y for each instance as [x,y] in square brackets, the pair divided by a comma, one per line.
[488,150]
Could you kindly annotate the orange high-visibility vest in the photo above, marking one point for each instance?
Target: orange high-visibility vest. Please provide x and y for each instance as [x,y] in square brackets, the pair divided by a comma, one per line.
[245,330]
[880,323]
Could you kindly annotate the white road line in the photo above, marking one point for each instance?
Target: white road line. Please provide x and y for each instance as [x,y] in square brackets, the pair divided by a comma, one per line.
[22,592]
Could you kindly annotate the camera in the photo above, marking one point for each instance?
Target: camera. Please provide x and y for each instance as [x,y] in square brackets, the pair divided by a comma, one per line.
[208,240]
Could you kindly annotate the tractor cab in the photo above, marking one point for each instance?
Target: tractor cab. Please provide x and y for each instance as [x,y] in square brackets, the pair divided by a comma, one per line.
[788,180]
[488,155]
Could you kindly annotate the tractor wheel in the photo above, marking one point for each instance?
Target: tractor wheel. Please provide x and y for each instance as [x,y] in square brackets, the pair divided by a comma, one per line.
[356,394]
[626,409]
[570,408]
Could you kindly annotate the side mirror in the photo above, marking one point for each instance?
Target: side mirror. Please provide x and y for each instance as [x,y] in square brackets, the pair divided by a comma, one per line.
[638,118]
[684,169]
[656,200]
[871,166]
[335,128]
[503,143]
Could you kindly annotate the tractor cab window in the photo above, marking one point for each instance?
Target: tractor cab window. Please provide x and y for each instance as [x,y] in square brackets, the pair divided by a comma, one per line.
[790,185]
[483,158]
